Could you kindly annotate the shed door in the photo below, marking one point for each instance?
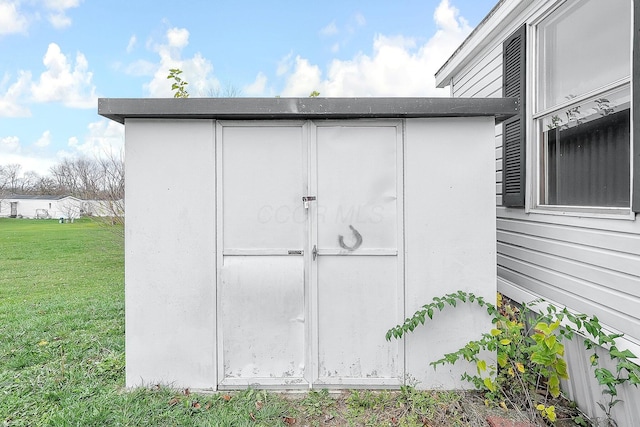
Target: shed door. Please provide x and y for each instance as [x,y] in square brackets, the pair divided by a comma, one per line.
[357,274]
[261,302]
[308,290]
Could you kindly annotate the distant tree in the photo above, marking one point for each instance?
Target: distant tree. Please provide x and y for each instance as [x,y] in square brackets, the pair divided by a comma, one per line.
[65,179]
[10,177]
[45,186]
[229,91]
[112,200]
[28,182]
[314,94]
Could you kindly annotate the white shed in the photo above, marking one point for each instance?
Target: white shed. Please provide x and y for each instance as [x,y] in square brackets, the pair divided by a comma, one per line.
[273,242]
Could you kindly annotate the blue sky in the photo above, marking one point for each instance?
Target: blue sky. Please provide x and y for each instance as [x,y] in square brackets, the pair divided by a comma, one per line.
[58,56]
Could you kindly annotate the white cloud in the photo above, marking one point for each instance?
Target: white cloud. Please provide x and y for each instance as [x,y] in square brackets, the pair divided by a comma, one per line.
[59,20]
[397,66]
[11,19]
[14,20]
[44,140]
[285,64]
[104,138]
[257,88]
[345,33]
[10,145]
[61,4]
[178,37]
[64,82]
[57,16]
[133,40]
[329,30]
[141,68]
[10,99]
[197,71]
[447,18]
[305,79]
[39,165]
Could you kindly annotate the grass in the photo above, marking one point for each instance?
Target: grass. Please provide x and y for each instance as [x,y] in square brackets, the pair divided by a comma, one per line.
[62,351]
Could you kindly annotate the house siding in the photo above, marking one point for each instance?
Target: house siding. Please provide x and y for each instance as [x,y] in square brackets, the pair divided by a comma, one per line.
[483,79]
[596,269]
[590,265]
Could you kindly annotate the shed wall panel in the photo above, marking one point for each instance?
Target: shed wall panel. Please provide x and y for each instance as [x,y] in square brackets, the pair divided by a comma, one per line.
[170,312]
[446,250]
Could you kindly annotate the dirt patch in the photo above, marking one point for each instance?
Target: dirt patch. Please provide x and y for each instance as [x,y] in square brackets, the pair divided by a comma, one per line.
[412,408]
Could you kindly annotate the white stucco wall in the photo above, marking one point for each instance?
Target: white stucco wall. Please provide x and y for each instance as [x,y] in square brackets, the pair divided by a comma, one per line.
[170,253]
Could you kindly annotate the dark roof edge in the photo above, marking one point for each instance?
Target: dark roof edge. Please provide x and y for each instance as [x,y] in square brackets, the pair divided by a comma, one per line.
[119,109]
[37,196]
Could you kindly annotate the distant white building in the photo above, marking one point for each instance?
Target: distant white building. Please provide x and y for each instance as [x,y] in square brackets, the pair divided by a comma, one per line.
[30,206]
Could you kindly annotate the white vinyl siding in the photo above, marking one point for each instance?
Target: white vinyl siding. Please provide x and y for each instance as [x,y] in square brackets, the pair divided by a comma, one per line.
[585,269]
[586,390]
[499,175]
[484,80]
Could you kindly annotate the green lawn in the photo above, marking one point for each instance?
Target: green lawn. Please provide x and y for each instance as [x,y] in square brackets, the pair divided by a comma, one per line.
[62,350]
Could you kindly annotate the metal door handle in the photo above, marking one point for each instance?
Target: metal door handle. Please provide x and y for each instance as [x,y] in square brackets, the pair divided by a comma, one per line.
[314,252]
[307,199]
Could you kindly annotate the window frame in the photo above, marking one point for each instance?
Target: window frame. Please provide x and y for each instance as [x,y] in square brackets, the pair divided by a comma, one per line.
[535,155]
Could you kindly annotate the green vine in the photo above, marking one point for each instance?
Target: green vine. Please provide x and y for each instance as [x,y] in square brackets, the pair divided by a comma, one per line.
[530,359]
[179,85]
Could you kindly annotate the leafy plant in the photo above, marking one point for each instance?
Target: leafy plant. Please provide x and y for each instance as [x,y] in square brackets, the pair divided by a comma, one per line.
[179,85]
[316,402]
[627,371]
[530,360]
[603,106]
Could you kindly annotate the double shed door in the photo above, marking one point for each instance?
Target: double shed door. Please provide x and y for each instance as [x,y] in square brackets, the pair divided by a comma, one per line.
[309,261]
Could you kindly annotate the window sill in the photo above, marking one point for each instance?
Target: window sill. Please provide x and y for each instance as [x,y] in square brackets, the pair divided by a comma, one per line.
[584,212]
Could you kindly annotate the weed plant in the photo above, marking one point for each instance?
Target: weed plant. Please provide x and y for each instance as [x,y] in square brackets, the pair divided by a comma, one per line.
[529,354]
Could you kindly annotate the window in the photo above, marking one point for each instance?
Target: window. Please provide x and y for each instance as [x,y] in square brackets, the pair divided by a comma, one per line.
[582,105]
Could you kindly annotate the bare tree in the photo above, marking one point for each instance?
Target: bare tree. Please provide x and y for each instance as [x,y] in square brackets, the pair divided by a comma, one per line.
[229,91]
[45,185]
[10,177]
[112,188]
[65,179]
[88,177]
[28,182]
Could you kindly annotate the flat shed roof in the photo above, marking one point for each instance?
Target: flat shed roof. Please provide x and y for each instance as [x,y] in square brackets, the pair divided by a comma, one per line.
[119,109]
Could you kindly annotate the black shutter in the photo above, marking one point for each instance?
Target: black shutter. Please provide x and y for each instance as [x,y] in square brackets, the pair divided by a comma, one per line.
[513,132]
[635,86]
